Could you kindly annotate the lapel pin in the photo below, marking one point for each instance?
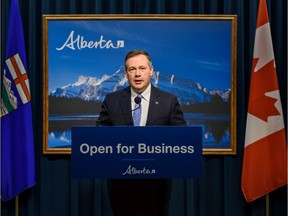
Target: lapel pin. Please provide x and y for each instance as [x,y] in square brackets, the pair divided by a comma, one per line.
[156,102]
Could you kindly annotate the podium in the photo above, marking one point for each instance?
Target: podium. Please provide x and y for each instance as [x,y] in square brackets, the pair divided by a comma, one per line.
[123,152]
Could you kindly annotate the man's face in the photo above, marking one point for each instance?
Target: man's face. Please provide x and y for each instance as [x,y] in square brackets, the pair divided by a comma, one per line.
[138,73]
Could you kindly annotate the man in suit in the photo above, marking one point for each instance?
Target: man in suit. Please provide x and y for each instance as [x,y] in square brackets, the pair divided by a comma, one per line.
[139,196]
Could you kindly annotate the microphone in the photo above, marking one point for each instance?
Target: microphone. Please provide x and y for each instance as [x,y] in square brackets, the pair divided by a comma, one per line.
[137,100]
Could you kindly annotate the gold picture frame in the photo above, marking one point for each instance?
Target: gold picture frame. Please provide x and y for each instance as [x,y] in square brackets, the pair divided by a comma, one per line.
[183,44]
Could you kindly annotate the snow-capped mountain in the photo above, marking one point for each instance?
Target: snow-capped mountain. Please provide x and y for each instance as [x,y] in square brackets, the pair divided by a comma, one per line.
[92,88]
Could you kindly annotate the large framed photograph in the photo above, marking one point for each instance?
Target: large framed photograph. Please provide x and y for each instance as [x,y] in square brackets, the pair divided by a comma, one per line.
[194,57]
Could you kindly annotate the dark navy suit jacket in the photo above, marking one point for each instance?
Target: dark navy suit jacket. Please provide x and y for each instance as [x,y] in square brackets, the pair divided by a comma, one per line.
[164,109]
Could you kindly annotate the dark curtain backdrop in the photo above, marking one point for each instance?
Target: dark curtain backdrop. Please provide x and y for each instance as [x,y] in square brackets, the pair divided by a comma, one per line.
[219,192]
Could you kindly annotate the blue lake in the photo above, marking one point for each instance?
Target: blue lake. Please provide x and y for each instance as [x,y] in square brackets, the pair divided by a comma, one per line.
[216,129]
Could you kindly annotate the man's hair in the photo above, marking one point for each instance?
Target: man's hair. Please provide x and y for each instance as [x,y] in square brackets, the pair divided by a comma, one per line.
[133,53]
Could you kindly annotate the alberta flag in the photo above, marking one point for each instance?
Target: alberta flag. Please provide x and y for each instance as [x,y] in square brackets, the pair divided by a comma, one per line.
[265,154]
[17,143]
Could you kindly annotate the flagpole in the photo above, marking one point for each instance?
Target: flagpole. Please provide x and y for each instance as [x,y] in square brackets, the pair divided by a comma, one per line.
[267,205]
[17,206]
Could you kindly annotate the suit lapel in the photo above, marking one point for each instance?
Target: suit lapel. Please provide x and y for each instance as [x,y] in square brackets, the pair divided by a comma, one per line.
[154,106]
[125,106]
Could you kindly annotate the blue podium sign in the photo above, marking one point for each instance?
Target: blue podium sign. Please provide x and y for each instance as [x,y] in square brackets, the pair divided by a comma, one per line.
[136,152]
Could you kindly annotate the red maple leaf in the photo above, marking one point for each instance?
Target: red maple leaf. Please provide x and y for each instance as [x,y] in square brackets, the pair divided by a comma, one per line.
[263,81]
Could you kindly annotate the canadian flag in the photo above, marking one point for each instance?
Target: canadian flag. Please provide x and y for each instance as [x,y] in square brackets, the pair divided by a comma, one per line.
[265,153]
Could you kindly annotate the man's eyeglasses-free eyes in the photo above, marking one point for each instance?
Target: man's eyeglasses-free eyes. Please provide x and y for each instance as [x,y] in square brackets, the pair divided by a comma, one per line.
[134,69]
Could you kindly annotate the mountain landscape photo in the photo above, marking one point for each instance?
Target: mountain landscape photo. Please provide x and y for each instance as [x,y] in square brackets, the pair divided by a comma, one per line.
[92,90]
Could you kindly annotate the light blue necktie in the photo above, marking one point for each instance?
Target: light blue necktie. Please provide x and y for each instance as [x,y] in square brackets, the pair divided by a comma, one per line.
[137,113]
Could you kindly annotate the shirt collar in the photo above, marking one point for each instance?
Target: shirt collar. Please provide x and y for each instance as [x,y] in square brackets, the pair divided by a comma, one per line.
[145,94]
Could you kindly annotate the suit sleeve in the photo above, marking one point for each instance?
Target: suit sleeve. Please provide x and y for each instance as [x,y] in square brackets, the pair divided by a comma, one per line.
[104,119]
[177,117]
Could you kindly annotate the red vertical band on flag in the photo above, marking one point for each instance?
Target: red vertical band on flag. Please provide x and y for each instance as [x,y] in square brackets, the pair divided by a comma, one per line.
[265,154]
[20,78]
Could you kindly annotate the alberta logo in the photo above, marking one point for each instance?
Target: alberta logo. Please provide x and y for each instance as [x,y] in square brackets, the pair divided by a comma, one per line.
[15,88]
[79,42]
